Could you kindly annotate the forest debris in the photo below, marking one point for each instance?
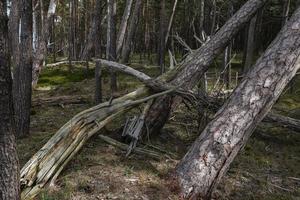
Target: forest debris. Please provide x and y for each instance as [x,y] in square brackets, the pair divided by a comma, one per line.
[60,100]
[137,150]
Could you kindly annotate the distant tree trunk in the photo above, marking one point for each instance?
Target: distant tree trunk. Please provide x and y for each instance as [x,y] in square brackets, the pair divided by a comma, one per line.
[93,32]
[209,158]
[162,33]
[97,41]
[188,77]
[133,24]
[201,17]
[14,24]
[41,52]
[9,165]
[111,51]
[170,22]
[23,72]
[227,55]
[286,10]
[250,46]
[123,26]
[213,17]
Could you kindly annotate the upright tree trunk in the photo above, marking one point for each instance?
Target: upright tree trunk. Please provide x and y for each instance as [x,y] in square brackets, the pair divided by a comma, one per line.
[209,158]
[286,10]
[93,32]
[250,46]
[41,52]
[9,166]
[123,26]
[111,51]
[162,33]
[171,22]
[133,24]
[23,72]
[196,64]
[14,24]
[97,41]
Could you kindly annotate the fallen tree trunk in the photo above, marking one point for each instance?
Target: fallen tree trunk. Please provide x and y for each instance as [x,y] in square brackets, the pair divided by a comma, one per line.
[202,168]
[283,121]
[60,100]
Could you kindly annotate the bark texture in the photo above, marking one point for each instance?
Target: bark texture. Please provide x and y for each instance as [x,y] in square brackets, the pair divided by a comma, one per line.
[131,31]
[209,158]
[196,64]
[41,51]
[9,166]
[23,72]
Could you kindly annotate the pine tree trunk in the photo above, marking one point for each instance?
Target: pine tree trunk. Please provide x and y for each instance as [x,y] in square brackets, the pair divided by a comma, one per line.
[14,22]
[209,158]
[41,52]
[111,51]
[133,24]
[196,64]
[9,166]
[123,26]
[23,72]
[162,47]
[250,46]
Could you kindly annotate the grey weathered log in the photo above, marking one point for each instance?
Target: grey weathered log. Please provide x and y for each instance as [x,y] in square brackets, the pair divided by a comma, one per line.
[202,168]
[283,121]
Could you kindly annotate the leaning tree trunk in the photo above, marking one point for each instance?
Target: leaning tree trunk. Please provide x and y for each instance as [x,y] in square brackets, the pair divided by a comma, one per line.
[133,24]
[23,72]
[202,168]
[9,166]
[41,51]
[196,64]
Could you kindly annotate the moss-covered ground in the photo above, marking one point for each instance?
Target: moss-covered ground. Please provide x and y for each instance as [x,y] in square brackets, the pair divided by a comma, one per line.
[267,168]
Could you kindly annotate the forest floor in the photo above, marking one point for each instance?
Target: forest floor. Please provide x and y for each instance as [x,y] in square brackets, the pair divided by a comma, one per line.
[267,168]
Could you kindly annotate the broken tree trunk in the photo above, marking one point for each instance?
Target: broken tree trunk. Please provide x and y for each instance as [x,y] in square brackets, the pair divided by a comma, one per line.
[195,65]
[202,168]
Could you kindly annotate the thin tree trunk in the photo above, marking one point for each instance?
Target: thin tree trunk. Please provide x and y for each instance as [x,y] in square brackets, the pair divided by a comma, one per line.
[162,33]
[111,51]
[170,22]
[41,52]
[123,26]
[209,158]
[93,32]
[133,24]
[9,165]
[286,10]
[97,41]
[250,46]
[14,25]
[23,72]
[196,64]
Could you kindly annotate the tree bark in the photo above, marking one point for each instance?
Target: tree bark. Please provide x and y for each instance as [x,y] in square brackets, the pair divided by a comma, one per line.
[93,33]
[162,33]
[9,165]
[196,64]
[111,51]
[23,72]
[209,158]
[250,46]
[123,26]
[133,24]
[13,24]
[41,52]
